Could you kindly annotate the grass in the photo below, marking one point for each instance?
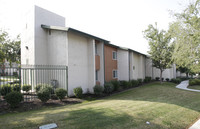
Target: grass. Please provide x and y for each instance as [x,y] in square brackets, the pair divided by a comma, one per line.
[196,87]
[163,106]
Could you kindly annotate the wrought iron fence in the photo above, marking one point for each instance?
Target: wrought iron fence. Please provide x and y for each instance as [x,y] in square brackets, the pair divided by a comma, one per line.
[28,78]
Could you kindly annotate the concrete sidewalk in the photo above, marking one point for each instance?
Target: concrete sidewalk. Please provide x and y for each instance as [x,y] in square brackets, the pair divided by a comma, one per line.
[183,85]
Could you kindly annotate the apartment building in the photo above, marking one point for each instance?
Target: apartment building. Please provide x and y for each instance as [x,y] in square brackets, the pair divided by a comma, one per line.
[90,60]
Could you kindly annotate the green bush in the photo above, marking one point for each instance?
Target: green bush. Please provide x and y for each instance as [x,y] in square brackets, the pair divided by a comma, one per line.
[124,84]
[139,81]
[15,74]
[116,85]
[108,88]
[16,87]
[26,87]
[14,98]
[44,95]
[61,93]
[41,86]
[194,82]
[134,83]
[177,81]
[147,79]
[98,90]
[5,89]
[157,78]
[167,79]
[78,92]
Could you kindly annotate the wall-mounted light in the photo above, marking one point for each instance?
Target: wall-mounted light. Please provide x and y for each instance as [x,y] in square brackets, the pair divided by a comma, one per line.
[26,47]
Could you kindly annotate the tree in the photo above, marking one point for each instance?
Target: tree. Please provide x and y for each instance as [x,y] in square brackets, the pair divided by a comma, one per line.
[160,48]
[185,32]
[9,49]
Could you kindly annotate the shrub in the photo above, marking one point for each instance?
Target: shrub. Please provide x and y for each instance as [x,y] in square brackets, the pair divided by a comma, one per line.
[15,74]
[108,88]
[14,98]
[124,84]
[134,83]
[61,93]
[78,92]
[147,79]
[41,86]
[194,82]
[5,89]
[26,87]
[157,78]
[177,81]
[139,81]
[98,90]
[116,84]
[44,95]
[167,79]
[16,87]
[54,97]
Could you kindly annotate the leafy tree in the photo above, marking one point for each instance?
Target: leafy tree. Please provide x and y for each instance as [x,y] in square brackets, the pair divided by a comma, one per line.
[9,49]
[185,32]
[160,48]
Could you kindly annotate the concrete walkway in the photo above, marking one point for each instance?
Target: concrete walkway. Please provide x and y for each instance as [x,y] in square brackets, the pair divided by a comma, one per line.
[183,85]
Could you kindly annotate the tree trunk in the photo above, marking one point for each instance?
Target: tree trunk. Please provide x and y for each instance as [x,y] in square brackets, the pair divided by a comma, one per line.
[161,76]
[187,75]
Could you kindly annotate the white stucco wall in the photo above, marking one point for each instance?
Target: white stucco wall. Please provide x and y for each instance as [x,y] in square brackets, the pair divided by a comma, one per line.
[137,61]
[79,67]
[123,64]
[57,48]
[149,69]
[43,16]
[167,73]
[100,52]
[28,38]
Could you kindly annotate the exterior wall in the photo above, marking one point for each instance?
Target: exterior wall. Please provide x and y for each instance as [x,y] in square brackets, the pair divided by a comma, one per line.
[81,66]
[110,64]
[123,64]
[57,48]
[100,53]
[167,73]
[137,66]
[43,16]
[28,38]
[149,69]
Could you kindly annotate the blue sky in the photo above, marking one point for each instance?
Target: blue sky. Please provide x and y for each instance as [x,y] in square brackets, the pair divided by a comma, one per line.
[119,21]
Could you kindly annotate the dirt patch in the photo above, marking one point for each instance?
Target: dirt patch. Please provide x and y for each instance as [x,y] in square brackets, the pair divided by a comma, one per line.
[36,104]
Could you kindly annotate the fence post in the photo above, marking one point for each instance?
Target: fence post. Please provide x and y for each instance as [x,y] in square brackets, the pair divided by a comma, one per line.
[67,80]
[20,76]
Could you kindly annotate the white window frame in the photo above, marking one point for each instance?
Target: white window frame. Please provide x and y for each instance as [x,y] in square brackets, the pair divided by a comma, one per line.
[115,72]
[113,55]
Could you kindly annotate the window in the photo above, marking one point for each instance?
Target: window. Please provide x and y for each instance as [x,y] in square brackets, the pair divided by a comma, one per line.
[96,75]
[114,73]
[114,55]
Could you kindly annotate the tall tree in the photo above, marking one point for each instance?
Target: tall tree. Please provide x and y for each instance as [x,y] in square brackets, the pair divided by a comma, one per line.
[185,32]
[160,48]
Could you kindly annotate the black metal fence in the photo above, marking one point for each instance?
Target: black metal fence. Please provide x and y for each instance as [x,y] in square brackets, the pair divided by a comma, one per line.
[28,78]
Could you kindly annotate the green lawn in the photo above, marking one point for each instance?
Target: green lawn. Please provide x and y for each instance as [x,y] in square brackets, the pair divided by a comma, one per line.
[163,106]
[196,87]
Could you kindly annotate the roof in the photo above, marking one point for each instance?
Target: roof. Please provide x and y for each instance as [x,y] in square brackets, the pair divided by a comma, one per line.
[68,29]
